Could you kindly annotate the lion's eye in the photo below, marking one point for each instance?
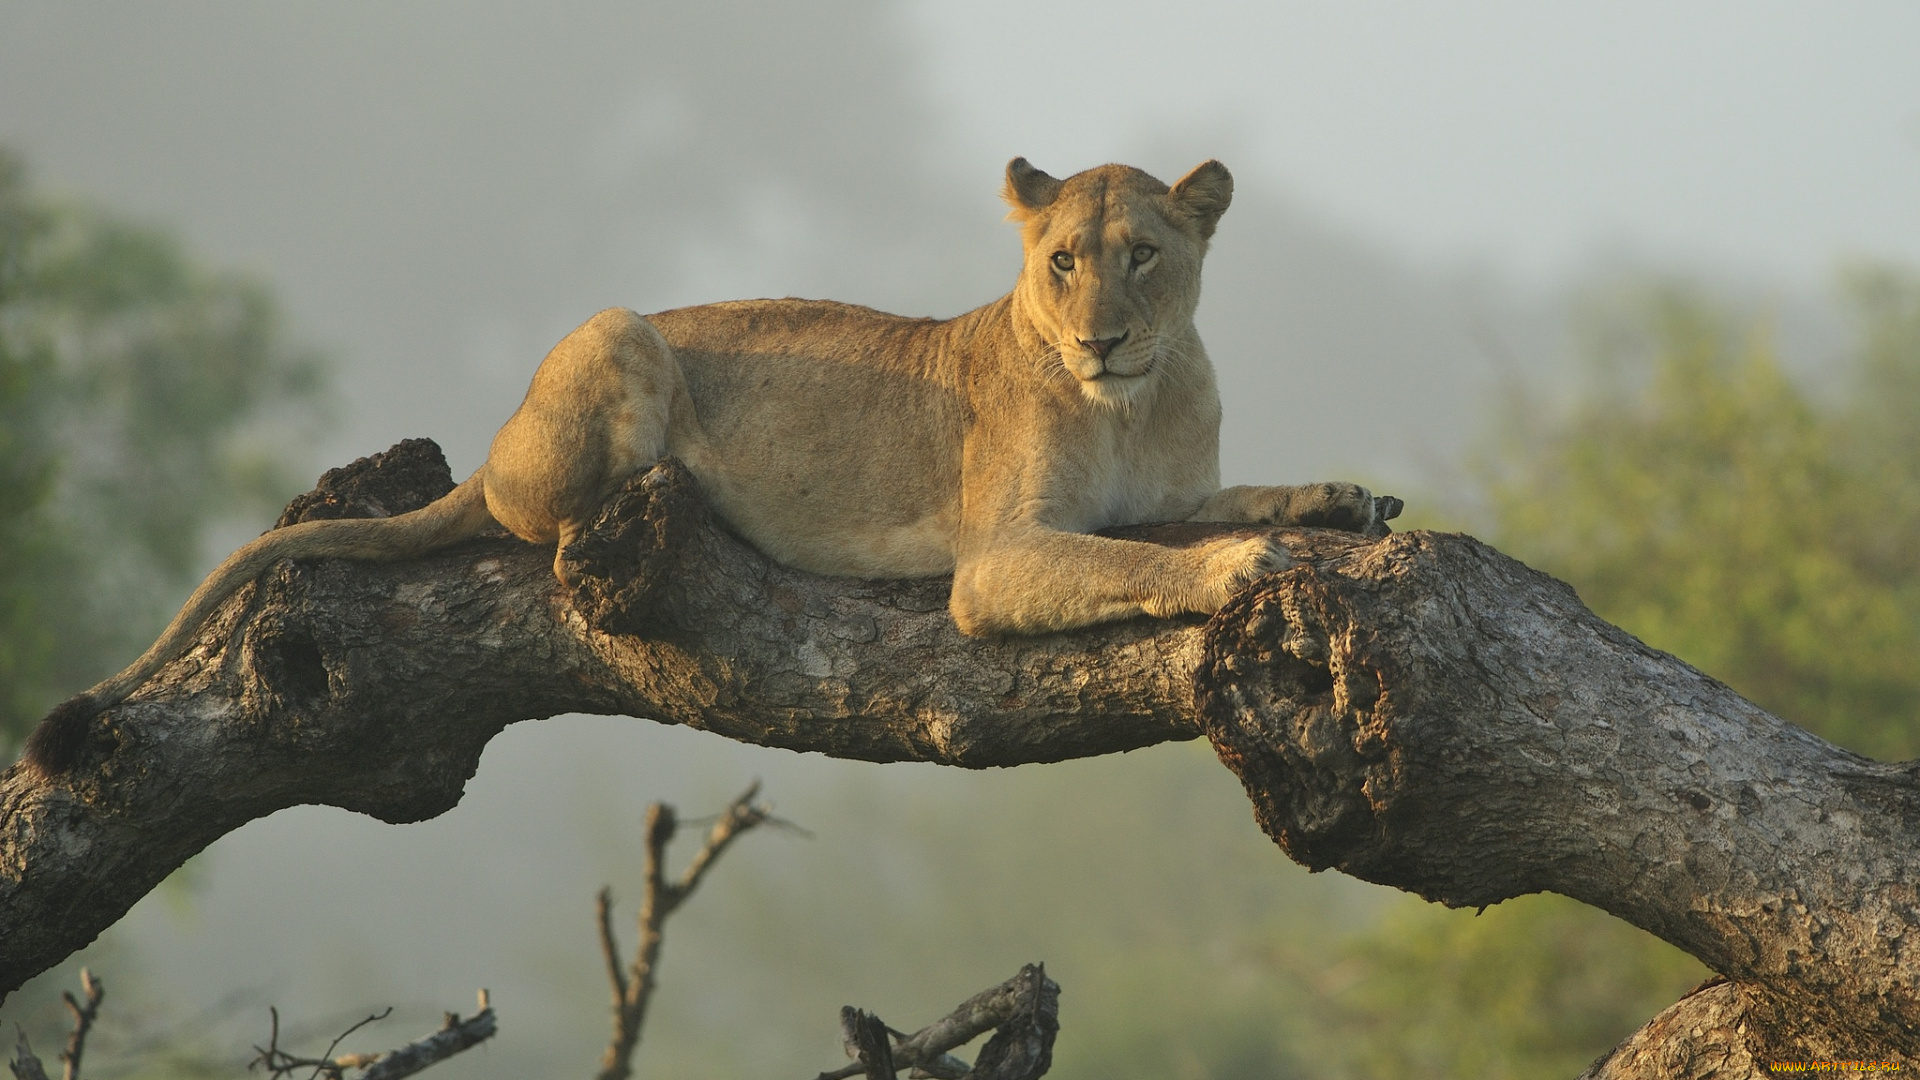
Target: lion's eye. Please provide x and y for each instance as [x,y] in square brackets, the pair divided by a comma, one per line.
[1142,253]
[1063,261]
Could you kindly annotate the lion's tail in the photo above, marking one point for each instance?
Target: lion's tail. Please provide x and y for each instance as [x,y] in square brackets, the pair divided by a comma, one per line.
[56,745]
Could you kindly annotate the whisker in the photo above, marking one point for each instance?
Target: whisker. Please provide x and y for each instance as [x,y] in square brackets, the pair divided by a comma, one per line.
[1056,365]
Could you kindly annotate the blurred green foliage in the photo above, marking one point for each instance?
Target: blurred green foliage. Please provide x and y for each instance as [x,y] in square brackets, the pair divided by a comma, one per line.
[143,398]
[1538,986]
[1719,510]
[1762,530]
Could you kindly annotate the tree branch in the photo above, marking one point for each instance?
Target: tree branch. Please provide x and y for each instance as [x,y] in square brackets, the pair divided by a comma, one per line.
[453,1036]
[1418,711]
[375,687]
[1429,714]
[83,1017]
[633,990]
[1025,1009]
[25,1065]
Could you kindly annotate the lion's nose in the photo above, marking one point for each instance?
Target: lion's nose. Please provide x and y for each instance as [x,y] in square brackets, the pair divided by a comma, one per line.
[1102,346]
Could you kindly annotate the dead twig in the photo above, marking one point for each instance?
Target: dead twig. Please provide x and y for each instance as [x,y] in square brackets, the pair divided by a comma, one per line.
[1024,1011]
[83,1018]
[633,988]
[453,1036]
[279,1063]
[867,1041]
[27,1066]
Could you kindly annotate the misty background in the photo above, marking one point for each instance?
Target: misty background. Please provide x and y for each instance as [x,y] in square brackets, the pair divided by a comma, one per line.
[438,191]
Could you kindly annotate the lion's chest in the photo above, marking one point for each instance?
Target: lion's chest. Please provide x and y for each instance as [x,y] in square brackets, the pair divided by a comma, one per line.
[1128,488]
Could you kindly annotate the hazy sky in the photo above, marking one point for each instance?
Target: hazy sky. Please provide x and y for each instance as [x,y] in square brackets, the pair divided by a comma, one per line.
[1766,136]
[441,189]
[1769,135]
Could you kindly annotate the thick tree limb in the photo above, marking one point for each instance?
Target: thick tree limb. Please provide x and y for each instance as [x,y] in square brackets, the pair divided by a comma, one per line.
[1429,714]
[1419,711]
[374,687]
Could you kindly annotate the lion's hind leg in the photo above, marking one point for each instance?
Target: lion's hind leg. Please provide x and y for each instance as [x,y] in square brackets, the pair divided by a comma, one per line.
[597,412]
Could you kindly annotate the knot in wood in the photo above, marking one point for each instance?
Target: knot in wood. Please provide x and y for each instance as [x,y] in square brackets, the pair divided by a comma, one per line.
[622,566]
[406,476]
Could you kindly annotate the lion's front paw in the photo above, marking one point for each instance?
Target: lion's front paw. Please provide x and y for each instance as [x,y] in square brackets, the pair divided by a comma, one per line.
[1233,566]
[1338,505]
[1223,568]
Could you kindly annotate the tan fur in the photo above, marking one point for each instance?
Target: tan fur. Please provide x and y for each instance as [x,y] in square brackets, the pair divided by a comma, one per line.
[846,441]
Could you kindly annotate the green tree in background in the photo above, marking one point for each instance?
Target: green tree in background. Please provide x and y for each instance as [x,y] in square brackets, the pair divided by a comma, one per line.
[143,398]
[1705,501]
[1536,987]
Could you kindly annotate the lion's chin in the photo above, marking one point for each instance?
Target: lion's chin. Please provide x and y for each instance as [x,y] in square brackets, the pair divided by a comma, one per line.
[1113,390]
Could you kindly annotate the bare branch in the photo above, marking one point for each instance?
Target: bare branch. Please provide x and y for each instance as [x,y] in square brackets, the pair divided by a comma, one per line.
[609,947]
[83,1018]
[279,1063]
[742,814]
[1022,1047]
[453,1036]
[868,1042]
[633,991]
[1025,1009]
[26,1066]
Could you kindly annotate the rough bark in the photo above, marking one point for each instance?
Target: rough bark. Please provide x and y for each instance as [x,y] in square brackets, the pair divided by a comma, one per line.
[1429,714]
[1418,711]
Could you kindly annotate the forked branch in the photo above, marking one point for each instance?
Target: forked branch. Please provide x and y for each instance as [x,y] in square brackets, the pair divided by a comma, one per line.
[633,987]
[84,1014]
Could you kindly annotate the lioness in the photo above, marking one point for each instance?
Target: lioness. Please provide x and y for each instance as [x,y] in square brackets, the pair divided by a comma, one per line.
[845,441]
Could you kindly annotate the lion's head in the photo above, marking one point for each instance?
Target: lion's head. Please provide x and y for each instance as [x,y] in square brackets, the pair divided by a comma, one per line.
[1112,271]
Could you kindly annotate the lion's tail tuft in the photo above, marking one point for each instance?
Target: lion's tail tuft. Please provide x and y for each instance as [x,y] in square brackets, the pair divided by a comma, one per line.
[55,746]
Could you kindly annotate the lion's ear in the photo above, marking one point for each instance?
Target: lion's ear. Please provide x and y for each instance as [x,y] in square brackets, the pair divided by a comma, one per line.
[1203,195]
[1028,190]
